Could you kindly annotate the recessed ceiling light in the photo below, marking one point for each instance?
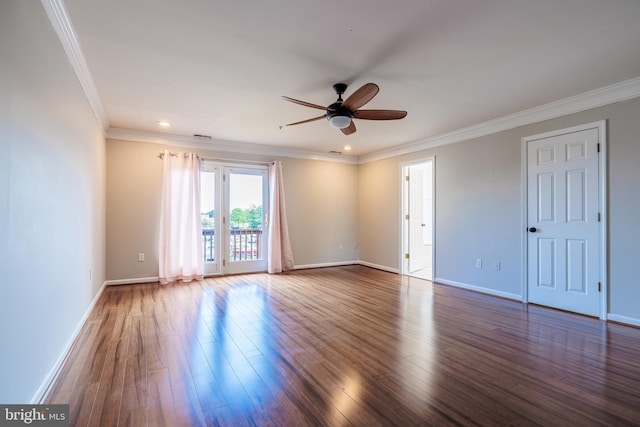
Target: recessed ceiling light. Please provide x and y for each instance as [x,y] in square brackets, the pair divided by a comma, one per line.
[163,123]
[347,147]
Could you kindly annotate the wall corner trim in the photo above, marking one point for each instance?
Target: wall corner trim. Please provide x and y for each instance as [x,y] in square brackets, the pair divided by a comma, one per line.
[61,23]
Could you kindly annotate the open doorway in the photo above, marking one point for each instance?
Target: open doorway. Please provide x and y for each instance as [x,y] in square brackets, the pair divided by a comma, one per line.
[417,256]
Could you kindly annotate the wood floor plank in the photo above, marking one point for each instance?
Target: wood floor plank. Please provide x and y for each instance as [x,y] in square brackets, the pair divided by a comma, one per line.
[134,390]
[185,396]
[161,411]
[106,408]
[343,346]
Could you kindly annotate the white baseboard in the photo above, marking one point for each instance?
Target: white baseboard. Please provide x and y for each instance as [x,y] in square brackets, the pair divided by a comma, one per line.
[132,281]
[343,263]
[49,379]
[379,267]
[324,264]
[623,319]
[489,291]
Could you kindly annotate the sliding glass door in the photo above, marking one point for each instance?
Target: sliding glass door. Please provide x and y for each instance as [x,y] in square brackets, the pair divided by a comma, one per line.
[234,207]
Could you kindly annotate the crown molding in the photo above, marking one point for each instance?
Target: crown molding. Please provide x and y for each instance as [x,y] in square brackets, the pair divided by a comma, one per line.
[223,146]
[617,92]
[59,18]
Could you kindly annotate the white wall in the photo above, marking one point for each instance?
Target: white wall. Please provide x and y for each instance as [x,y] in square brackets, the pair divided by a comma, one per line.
[52,212]
[478,207]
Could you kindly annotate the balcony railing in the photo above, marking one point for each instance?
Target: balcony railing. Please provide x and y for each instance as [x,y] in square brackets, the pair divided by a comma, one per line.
[245,244]
[209,244]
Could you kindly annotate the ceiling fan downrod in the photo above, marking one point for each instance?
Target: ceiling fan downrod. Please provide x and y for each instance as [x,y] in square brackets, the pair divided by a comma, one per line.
[340,88]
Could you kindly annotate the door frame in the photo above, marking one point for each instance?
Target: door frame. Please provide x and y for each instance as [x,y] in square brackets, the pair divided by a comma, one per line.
[222,234]
[603,264]
[404,208]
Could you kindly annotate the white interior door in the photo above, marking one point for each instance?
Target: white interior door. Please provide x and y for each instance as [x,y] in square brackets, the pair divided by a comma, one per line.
[563,239]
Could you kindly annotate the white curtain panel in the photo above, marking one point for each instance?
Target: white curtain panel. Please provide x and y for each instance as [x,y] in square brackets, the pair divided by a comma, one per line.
[181,252]
[279,255]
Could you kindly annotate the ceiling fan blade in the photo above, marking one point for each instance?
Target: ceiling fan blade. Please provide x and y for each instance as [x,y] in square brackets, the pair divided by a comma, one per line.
[308,120]
[349,129]
[380,114]
[361,96]
[306,104]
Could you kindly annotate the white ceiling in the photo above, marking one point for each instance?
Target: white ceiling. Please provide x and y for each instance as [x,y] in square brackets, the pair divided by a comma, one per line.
[219,68]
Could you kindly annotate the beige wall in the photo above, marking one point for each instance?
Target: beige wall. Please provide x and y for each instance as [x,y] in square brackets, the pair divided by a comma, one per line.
[379,212]
[321,202]
[52,195]
[478,207]
[134,180]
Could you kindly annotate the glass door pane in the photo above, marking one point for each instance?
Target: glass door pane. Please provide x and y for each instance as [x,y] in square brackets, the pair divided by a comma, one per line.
[209,202]
[246,228]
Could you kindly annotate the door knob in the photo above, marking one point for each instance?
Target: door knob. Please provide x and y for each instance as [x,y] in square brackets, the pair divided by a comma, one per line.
[533,229]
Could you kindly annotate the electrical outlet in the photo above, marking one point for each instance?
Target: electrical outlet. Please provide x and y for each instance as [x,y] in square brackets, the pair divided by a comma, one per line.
[141,257]
[478,263]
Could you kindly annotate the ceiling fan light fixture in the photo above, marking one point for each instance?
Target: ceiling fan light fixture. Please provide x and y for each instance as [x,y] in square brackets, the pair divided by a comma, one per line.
[340,122]
[340,113]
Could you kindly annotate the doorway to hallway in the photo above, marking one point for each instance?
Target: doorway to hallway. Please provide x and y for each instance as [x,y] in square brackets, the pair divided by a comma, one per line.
[417,249]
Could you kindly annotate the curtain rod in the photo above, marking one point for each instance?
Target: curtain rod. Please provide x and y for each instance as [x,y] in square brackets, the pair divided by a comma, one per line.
[172,153]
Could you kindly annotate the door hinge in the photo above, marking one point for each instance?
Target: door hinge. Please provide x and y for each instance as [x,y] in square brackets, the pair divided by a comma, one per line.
[598,147]
[598,216]
[406,178]
[599,287]
[224,220]
[224,262]
[406,217]
[406,256]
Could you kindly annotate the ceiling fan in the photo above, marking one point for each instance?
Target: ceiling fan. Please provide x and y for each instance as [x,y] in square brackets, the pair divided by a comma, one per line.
[341,112]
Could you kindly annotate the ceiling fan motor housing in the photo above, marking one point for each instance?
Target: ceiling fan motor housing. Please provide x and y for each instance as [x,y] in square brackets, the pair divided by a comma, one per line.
[336,109]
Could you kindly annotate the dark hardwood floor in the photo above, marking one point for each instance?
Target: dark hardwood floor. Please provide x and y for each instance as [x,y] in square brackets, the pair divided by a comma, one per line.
[344,346]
